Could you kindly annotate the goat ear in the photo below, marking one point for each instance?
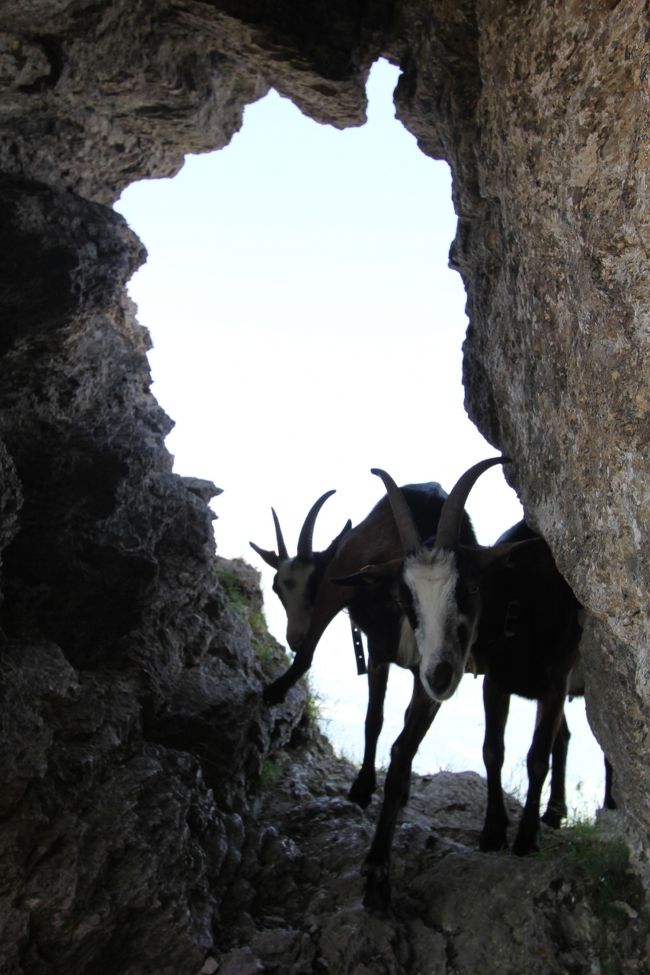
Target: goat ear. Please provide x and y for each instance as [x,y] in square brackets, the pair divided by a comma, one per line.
[330,551]
[506,555]
[371,575]
[271,558]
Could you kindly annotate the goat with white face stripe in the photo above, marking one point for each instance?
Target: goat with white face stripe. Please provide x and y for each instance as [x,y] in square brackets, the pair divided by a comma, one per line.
[511,609]
[443,616]
[439,585]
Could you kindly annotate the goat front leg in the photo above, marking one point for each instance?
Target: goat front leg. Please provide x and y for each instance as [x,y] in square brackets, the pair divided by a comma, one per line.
[414,695]
[556,809]
[276,692]
[496,702]
[550,717]
[422,710]
[365,782]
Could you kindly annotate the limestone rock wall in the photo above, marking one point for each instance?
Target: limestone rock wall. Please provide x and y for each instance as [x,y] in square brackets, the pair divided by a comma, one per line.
[542,112]
[132,737]
[130,726]
[560,329]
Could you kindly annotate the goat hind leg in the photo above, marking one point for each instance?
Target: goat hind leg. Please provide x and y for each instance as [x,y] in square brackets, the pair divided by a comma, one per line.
[550,717]
[364,785]
[556,809]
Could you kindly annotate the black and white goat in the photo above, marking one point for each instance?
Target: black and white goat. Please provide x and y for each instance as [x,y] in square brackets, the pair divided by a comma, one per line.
[507,606]
[312,600]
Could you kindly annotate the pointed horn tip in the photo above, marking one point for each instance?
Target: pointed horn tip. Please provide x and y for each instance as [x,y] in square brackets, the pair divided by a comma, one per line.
[305,537]
[317,505]
[483,465]
[387,479]
[283,552]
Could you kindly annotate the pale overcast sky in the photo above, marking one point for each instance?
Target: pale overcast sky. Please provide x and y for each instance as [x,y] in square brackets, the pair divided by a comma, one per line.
[306,328]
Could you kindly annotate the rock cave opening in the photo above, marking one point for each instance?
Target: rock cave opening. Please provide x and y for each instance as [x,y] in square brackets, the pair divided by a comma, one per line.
[142,831]
[281,270]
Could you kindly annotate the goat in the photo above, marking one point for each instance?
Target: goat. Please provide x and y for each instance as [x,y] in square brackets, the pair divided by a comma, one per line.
[311,600]
[507,606]
[556,809]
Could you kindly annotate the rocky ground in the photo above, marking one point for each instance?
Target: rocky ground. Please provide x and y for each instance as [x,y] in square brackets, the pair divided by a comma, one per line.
[296,904]
[216,836]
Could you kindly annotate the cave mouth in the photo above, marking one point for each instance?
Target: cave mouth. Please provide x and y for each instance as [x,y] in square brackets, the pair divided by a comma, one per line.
[133,729]
[284,273]
[309,268]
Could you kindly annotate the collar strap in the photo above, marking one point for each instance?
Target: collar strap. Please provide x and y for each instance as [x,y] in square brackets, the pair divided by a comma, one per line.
[357,644]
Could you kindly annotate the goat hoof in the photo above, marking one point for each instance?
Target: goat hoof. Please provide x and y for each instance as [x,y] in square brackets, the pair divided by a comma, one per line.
[360,793]
[553,816]
[492,846]
[274,694]
[377,896]
[492,841]
[524,846]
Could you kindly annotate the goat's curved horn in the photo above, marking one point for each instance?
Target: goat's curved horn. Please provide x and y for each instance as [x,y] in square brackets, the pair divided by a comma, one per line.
[406,527]
[454,506]
[282,548]
[307,530]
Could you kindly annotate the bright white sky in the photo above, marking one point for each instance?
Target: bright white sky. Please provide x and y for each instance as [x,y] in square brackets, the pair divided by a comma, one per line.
[306,328]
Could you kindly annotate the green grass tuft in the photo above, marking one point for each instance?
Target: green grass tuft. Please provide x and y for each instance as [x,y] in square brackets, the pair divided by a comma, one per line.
[270,774]
[266,648]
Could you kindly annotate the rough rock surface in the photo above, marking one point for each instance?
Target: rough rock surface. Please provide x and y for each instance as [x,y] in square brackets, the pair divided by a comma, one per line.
[134,838]
[296,906]
[560,324]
